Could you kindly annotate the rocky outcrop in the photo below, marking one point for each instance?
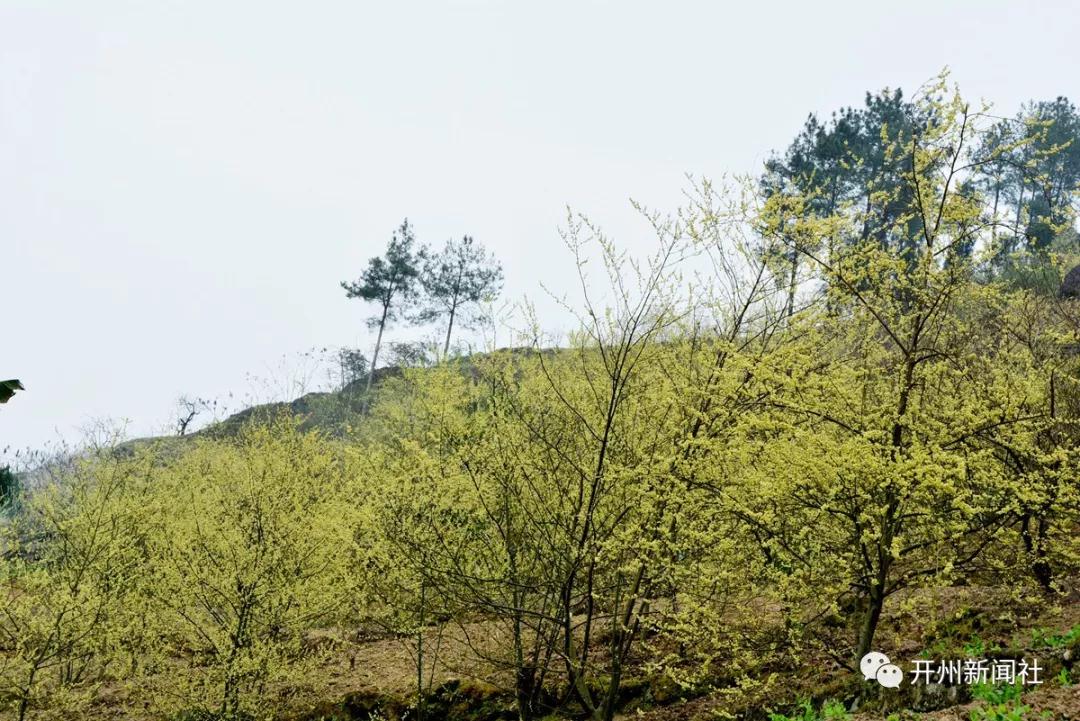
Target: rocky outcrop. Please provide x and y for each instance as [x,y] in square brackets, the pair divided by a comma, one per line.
[1070,287]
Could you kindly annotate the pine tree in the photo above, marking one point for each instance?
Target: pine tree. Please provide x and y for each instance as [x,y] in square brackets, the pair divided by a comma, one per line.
[462,273]
[390,281]
[8,388]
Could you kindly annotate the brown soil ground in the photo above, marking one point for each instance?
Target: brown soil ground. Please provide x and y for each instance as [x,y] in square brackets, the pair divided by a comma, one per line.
[938,623]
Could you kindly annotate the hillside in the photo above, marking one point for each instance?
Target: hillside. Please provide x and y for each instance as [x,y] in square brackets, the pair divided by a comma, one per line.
[815,459]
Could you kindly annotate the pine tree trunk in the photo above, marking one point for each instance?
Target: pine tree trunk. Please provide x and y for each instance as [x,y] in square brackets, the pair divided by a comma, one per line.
[994,228]
[374,360]
[792,284]
[449,328]
[1019,212]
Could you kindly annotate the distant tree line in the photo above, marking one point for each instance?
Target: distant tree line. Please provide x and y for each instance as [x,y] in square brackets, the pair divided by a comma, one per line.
[1027,168]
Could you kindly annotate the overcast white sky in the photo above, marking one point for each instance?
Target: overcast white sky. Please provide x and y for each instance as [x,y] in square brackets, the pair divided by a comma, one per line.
[184,184]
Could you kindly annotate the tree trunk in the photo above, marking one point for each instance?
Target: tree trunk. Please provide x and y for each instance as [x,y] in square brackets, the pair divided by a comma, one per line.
[871,616]
[993,228]
[792,283]
[1035,546]
[524,689]
[524,673]
[24,702]
[420,654]
[1041,568]
[878,579]
[1019,212]
[449,328]
[374,359]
